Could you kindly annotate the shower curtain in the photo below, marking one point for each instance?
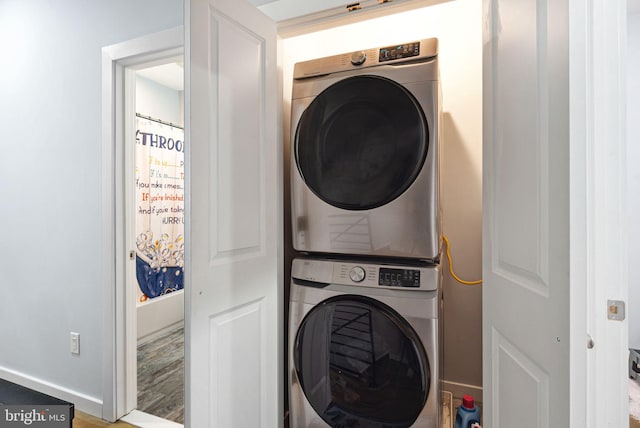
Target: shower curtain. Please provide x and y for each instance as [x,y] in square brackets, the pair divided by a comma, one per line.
[159,188]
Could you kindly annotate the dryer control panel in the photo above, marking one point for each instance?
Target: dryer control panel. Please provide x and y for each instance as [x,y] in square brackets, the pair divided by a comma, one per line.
[367,274]
[406,50]
[414,50]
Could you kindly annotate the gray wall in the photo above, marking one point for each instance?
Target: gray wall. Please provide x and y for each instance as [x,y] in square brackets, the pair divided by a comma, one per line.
[159,101]
[50,170]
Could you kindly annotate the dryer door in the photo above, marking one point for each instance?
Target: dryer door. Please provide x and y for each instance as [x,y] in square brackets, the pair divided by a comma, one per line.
[361,142]
[360,363]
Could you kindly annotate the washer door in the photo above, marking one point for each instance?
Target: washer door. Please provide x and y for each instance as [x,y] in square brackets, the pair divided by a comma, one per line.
[361,142]
[361,364]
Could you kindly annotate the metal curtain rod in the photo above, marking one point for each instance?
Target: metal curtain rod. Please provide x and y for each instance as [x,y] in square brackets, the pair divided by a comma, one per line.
[158,121]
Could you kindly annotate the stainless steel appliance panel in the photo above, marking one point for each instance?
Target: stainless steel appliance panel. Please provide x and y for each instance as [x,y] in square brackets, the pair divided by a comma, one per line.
[419,308]
[409,225]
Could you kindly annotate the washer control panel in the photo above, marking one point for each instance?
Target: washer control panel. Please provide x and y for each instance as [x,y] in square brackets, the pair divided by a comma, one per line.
[399,277]
[384,276]
[377,275]
[358,274]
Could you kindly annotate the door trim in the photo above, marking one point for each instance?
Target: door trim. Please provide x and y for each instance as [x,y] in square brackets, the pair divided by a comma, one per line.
[598,270]
[115,60]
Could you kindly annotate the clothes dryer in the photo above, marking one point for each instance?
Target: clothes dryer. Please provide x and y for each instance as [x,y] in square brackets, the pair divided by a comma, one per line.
[364,345]
[364,153]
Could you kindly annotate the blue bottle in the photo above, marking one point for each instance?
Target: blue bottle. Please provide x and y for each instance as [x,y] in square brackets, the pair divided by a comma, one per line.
[468,413]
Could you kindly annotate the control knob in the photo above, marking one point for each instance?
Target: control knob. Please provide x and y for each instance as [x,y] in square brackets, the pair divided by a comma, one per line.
[357,274]
[358,58]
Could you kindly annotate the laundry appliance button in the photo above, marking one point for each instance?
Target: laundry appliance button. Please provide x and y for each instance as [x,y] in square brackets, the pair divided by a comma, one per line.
[358,58]
[357,274]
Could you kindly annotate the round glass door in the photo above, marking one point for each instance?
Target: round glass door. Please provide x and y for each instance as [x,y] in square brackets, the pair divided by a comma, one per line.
[361,142]
[360,363]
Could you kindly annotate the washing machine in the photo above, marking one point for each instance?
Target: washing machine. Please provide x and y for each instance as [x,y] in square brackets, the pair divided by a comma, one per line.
[364,153]
[364,345]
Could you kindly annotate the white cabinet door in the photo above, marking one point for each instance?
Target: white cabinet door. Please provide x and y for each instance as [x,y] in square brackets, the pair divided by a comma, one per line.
[235,199]
[526,214]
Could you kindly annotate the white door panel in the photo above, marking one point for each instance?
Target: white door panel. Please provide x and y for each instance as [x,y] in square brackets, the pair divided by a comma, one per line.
[526,214]
[232,104]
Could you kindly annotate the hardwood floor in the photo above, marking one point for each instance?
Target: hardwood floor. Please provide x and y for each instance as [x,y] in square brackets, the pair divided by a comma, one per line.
[83,420]
[160,382]
[161,376]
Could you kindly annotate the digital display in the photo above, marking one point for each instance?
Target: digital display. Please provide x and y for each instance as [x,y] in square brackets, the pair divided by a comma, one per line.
[399,277]
[406,50]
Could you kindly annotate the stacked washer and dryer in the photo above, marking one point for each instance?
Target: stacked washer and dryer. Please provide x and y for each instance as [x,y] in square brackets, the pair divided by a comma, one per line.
[365,303]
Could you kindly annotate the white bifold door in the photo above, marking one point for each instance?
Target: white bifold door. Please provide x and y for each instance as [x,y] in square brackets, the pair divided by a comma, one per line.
[525,300]
[232,106]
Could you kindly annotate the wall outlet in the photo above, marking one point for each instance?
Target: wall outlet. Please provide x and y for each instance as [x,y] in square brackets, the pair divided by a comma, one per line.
[75,343]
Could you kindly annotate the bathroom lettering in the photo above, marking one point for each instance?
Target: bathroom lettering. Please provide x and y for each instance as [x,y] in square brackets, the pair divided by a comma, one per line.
[159,141]
[173,220]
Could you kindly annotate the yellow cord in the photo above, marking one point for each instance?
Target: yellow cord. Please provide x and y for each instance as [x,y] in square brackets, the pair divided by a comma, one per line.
[456,277]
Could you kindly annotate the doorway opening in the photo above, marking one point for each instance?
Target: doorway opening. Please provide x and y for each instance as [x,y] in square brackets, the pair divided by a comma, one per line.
[119,65]
[140,268]
[154,235]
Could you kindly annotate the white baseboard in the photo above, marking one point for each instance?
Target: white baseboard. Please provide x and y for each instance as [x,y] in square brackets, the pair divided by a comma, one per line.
[460,389]
[81,402]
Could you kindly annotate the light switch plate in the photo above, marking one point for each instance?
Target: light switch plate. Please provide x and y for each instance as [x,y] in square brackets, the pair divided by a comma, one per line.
[75,343]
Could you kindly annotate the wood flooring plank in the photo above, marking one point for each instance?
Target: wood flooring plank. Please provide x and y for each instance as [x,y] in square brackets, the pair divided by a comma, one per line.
[83,420]
[161,376]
